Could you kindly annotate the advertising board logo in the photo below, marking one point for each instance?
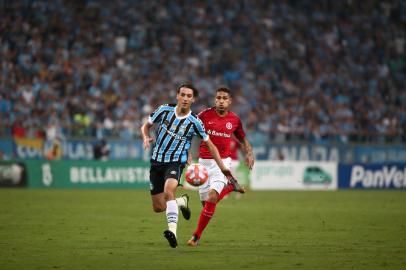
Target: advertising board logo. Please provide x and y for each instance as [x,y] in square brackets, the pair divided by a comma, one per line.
[47,178]
[316,175]
[384,177]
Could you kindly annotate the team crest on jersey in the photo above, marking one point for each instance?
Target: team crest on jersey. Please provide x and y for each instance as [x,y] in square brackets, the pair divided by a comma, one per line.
[229,125]
[166,122]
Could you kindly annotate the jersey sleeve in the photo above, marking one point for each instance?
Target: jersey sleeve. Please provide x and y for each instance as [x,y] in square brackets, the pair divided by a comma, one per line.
[156,115]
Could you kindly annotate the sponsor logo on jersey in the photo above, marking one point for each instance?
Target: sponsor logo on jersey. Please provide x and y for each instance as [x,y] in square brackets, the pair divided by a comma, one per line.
[219,134]
[173,172]
[176,136]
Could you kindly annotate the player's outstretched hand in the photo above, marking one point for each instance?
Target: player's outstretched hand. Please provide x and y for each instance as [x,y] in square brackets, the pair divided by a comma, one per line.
[147,142]
[249,161]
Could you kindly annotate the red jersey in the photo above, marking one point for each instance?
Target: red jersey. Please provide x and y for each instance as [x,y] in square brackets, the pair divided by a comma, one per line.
[220,129]
[234,146]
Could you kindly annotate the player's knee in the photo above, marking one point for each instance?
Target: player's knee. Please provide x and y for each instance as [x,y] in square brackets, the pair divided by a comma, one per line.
[213,196]
[159,207]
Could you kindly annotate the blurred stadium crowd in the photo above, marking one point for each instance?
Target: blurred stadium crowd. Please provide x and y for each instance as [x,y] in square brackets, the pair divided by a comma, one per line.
[300,70]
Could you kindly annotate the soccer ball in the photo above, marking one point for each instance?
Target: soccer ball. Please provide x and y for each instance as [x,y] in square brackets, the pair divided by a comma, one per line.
[196,175]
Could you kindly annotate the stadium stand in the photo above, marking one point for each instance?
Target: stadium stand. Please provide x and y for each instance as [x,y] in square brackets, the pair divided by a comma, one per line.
[301,70]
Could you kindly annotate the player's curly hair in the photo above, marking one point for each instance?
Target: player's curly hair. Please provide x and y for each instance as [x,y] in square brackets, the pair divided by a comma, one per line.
[190,86]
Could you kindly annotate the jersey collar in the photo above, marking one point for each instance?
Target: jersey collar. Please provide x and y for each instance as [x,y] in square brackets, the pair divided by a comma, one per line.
[182,117]
[215,111]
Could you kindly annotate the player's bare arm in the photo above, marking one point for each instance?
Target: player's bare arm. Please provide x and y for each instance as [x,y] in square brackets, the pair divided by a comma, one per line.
[189,158]
[249,154]
[145,135]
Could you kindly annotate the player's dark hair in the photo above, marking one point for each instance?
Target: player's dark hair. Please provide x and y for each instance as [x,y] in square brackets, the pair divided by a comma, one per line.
[190,86]
[225,90]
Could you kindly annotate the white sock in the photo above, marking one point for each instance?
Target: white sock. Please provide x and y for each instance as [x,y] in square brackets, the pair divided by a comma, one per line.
[180,201]
[172,215]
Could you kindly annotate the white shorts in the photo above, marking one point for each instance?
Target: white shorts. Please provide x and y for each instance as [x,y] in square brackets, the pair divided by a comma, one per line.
[216,181]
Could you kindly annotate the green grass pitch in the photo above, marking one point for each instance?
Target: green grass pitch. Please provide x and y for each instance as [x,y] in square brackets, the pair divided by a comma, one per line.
[116,229]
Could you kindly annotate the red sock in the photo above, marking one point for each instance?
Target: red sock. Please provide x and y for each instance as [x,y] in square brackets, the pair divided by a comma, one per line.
[227,189]
[205,216]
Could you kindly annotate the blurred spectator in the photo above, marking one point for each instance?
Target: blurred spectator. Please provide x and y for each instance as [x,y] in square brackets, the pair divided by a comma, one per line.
[101,150]
[17,129]
[55,151]
[314,70]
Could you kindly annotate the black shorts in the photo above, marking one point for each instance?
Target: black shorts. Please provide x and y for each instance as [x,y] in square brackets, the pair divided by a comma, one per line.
[159,172]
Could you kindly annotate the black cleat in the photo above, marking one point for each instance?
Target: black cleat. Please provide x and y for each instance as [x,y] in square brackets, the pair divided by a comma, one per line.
[170,236]
[185,209]
[237,186]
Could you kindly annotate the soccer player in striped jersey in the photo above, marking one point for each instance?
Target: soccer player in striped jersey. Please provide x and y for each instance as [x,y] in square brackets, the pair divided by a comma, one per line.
[177,125]
[221,124]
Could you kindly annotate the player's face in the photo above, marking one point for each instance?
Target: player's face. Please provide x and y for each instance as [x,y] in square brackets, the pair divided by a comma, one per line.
[185,98]
[222,102]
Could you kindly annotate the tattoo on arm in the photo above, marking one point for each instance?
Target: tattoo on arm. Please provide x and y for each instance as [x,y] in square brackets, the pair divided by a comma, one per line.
[247,147]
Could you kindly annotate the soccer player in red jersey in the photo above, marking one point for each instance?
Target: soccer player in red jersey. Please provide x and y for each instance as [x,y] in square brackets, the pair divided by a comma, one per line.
[221,124]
